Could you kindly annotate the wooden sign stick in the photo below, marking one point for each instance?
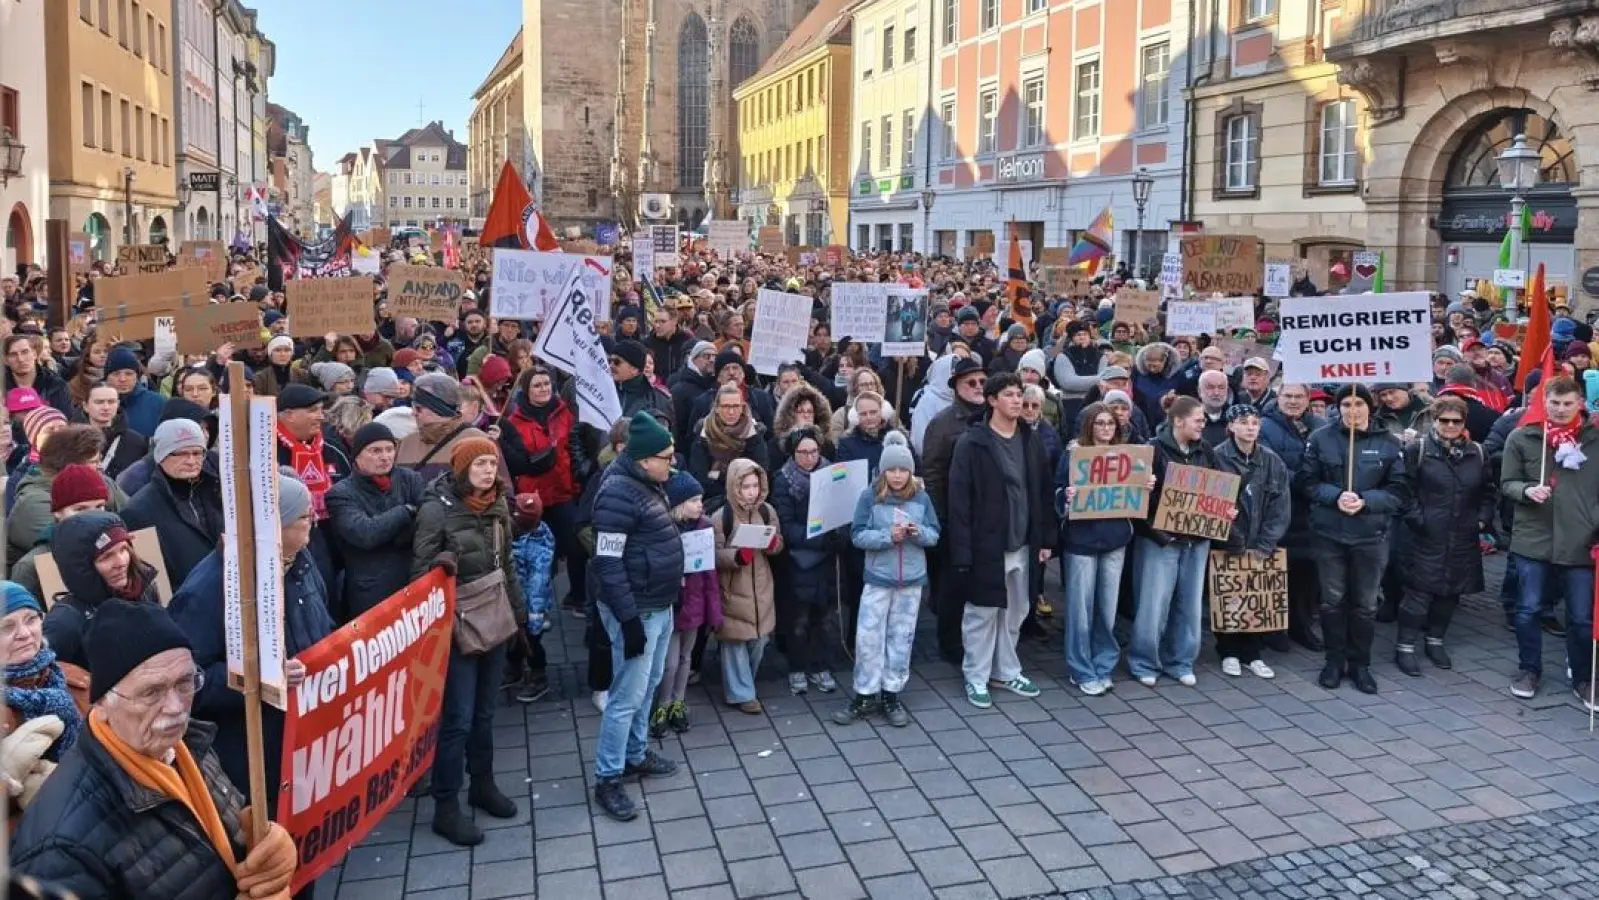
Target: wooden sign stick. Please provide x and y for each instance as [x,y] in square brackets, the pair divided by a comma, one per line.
[244,529]
[1349,465]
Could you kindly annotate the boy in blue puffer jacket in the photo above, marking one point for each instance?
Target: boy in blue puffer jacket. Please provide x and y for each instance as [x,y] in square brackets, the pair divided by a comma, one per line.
[894,524]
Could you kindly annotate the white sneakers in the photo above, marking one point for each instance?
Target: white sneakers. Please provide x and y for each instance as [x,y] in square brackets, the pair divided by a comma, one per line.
[1230,666]
[1261,670]
[599,698]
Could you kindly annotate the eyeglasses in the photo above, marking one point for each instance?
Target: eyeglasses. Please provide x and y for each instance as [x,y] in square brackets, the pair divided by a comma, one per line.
[1450,420]
[1026,405]
[185,688]
[669,456]
[1104,423]
[808,452]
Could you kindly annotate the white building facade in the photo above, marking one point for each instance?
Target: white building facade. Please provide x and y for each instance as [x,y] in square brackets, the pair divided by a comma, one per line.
[215,118]
[24,179]
[892,125]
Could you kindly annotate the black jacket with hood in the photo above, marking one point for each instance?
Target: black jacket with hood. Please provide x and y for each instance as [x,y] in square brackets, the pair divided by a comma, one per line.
[73,613]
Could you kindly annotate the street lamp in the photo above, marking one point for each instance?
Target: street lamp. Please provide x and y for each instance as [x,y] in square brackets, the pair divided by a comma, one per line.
[928,195]
[185,193]
[11,151]
[1142,182]
[1518,172]
[128,177]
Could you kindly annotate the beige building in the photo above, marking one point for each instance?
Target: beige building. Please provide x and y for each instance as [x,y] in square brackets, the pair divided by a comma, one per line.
[496,132]
[109,76]
[424,178]
[1280,147]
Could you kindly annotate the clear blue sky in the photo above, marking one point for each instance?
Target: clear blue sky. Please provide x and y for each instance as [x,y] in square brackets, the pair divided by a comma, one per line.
[356,69]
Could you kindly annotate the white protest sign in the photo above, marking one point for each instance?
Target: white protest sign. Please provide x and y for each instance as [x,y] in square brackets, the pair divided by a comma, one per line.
[859,310]
[1171,276]
[905,326]
[664,238]
[643,256]
[1279,278]
[527,283]
[782,326]
[569,342]
[1190,317]
[1235,312]
[834,492]
[727,236]
[753,537]
[1367,338]
[699,551]
[232,575]
[166,336]
[1002,255]
[365,262]
[1363,269]
[270,640]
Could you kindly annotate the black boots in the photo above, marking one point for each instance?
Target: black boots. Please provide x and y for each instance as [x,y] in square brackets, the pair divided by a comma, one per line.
[450,823]
[1438,655]
[487,796]
[1362,677]
[613,799]
[893,711]
[1405,659]
[1332,675]
[861,707]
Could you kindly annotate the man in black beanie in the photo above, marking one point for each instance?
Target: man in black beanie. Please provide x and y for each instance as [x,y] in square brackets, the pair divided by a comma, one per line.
[372,517]
[633,390]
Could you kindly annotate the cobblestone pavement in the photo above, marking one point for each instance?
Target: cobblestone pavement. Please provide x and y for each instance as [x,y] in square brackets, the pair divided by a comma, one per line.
[1234,788]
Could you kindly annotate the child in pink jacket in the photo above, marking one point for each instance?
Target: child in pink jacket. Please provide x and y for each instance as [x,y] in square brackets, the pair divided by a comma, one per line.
[700,603]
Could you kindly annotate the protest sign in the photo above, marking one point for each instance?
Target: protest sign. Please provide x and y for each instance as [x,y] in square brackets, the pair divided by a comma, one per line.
[699,551]
[209,255]
[835,255]
[80,252]
[771,240]
[382,238]
[126,305]
[1055,256]
[905,325]
[1279,278]
[569,342]
[1363,269]
[728,236]
[1002,255]
[146,546]
[363,726]
[1190,317]
[643,257]
[1062,281]
[834,492]
[1112,482]
[203,329]
[1136,307]
[142,259]
[319,306]
[860,310]
[166,335]
[365,261]
[782,326]
[1238,352]
[430,293]
[1171,276]
[1234,312]
[1248,593]
[663,240]
[1221,264]
[527,282]
[984,242]
[1195,501]
[752,537]
[1367,338]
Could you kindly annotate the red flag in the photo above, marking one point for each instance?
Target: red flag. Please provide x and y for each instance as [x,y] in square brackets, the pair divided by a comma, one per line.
[1535,413]
[1538,328]
[514,220]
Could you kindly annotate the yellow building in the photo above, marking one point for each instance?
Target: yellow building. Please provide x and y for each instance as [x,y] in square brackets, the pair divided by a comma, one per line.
[109,75]
[790,172]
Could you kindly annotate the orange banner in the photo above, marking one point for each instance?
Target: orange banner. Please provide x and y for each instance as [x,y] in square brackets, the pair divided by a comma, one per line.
[363,725]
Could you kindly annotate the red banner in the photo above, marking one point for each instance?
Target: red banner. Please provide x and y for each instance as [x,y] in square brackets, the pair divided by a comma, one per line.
[362,727]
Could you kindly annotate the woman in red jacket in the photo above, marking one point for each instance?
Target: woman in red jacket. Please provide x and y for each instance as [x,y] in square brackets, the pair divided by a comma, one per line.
[544,454]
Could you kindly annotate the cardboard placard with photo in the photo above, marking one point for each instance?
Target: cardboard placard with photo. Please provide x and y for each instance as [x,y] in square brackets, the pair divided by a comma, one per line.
[320,306]
[80,252]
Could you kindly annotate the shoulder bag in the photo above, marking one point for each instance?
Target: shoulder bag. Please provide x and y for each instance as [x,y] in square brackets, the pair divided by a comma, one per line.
[483,616]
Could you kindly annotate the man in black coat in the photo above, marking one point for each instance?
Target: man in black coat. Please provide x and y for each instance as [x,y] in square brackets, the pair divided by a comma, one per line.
[668,342]
[372,517]
[182,501]
[1000,518]
[730,368]
[691,381]
[633,390]
[1284,427]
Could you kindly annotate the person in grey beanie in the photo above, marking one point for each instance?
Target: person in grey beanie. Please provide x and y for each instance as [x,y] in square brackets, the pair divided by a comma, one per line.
[183,499]
[381,389]
[335,377]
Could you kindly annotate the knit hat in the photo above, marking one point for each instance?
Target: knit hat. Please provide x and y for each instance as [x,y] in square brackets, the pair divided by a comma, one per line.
[300,396]
[438,393]
[1015,331]
[331,373]
[270,317]
[681,488]
[1449,353]
[1360,391]
[77,483]
[968,314]
[381,381]
[34,423]
[368,434]
[1118,397]
[404,356]
[701,348]
[124,636]
[896,454]
[646,436]
[495,372]
[175,435]
[963,367]
[1111,373]
[121,359]
[1034,359]
[294,498]
[282,341]
[467,450]
[18,598]
[22,399]
[729,356]
[631,352]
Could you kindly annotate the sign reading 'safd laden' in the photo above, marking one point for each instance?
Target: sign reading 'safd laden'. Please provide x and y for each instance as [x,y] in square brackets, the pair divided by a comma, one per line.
[363,725]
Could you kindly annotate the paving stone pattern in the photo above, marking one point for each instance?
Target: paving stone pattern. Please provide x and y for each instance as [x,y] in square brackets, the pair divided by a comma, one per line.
[1238,787]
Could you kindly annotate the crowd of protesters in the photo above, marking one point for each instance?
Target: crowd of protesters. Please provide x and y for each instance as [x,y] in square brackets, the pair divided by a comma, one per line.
[449,444]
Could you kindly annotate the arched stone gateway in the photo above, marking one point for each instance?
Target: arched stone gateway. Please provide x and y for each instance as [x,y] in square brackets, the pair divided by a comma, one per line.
[18,237]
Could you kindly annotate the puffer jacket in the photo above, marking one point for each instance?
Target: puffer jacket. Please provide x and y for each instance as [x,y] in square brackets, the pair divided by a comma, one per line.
[783,422]
[1380,480]
[94,832]
[544,458]
[373,530]
[808,565]
[141,410]
[1562,529]
[481,543]
[73,613]
[889,564]
[934,397]
[1454,497]
[1166,452]
[749,609]
[1265,497]
[638,563]
[186,517]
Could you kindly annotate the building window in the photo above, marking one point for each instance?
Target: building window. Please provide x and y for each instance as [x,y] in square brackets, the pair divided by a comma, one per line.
[1156,81]
[407,202]
[1033,111]
[871,40]
[1260,9]
[988,120]
[1336,152]
[122,23]
[394,203]
[888,47]
[166,142]
[435,203]
[155,140]
[743,51]
[1240,159]
[1036,5]
[946,117]
[908,138]
[127,129]
[990,14]
[138,132]
[866,145]
[86,91]
[407,177]
[693,102]
[1086,124]
[951,11]
[887,160]
[149,38]
[105,17]
[11,110]
[138,42]
[910,43]
[86,11]
[161,43]
[435,180]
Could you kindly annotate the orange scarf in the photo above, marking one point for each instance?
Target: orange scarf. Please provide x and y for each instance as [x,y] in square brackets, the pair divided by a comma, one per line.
[182,781]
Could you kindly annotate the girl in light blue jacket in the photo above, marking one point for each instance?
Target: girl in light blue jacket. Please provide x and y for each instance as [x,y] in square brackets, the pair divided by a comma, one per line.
[894,524]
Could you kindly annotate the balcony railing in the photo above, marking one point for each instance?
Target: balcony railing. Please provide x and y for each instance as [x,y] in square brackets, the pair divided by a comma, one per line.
[1375,25]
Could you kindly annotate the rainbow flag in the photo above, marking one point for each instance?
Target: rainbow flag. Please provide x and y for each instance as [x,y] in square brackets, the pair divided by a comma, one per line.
[1096,242]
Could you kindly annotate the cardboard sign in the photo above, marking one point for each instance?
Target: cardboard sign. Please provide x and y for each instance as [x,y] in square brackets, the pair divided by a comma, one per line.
[209,255]
[126,306]
[1190,317]
[1195,501]
[835,255]
[1238,352]
[1062,281]
[985,242]
[80,252]
[1279,278]
[146,546]
[1055,256]
[1137,307]
[435,240]
[142,258]
[429,293]
[1366,338]
[318,306]
[1221,264]
[1248,594]
[382,237]
[1112,482]
[362,727]
[771,240]
[206,328]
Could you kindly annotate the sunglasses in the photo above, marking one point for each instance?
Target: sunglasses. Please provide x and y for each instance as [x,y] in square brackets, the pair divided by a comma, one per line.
[1450,420]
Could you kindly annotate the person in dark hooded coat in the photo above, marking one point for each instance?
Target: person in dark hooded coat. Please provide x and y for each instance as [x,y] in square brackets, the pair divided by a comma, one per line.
[807,583]
[183,501]
[372,519]
[94,551]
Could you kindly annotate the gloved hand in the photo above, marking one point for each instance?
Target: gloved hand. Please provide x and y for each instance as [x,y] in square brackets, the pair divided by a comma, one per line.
[34,781]
[23,749]
[269,867]
[745,556]
[772,547]
[445,561]
[633,638]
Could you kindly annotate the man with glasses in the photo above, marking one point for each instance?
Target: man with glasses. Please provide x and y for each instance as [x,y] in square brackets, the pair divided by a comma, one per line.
[140,806]
[1284,428]
[966,379]
[183,499]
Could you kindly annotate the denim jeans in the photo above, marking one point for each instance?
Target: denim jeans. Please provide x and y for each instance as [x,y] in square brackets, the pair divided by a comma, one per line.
[1092,586]
[466,723]
[1350,578]
[740,661]
[624,728]
[1576,582]
[1170,584]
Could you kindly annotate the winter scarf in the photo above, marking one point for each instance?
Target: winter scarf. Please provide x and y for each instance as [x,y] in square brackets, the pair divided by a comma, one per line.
[306,460]
[39,688]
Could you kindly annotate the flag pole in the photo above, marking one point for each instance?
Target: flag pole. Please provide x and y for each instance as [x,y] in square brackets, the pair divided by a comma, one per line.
[1593,661]
[1349,464]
